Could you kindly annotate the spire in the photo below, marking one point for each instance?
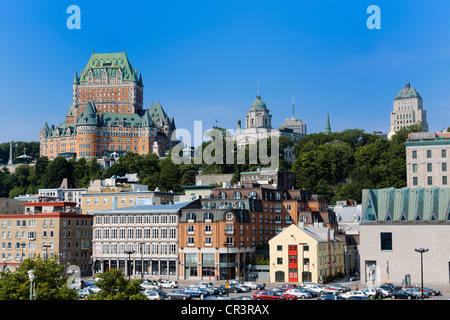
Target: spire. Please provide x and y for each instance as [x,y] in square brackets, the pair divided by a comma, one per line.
[328,126]
[76,80]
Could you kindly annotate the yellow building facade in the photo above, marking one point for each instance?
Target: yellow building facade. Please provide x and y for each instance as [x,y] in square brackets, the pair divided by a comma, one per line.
[305,254]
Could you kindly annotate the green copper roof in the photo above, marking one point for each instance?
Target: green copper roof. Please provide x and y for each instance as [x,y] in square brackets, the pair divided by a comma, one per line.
[158,114]
[113,63]
[328,126]
[258,104]
[89,116]
[408,92]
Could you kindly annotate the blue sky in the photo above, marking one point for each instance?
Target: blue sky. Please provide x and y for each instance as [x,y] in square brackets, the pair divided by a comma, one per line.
[203,59]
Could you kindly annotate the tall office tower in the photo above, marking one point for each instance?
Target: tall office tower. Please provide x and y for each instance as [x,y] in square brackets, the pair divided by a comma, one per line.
[408,110]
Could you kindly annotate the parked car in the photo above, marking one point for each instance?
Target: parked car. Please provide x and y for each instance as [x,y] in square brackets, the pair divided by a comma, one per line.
[318,288]
[287,286]
[383,292]
[217,298]
[178,295]
[146,285]
[233,288]
[196,292]
[83,293]
[94,288]
[254,285]
[289,296]
[330,296]
[299,293]
[244,287]
[90,282]
[155,290]
[77,284]
[433,292]
[371,293]
[351,294]
[204,284]
[154,295]
[170,284]
[276,289]
[358,298]
[354,277]
[312,293]
[402,294]
[416,291]
[339,287]
[242,298]
[267,295]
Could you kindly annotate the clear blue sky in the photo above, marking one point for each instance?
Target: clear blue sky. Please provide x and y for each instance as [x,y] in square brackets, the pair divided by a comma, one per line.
[203,59]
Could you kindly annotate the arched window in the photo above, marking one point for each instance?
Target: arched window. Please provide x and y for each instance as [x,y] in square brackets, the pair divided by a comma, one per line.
[237,195]
[277,196]
[208,216]
[222,195]
[191,216]
[252,194]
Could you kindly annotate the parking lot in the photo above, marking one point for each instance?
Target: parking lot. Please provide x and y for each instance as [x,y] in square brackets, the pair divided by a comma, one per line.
[353,285]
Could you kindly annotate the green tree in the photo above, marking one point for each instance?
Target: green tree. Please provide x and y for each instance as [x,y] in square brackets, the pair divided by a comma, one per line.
[114,286]
[49,283]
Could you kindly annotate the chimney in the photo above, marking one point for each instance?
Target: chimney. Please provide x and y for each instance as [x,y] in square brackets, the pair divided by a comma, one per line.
[407,86]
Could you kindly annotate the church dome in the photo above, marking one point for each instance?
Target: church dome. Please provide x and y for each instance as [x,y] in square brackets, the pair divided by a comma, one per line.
[258,104]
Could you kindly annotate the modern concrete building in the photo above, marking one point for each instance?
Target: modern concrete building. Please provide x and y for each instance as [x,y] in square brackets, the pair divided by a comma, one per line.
[305,254]
[396,222]
[408,110]
[427,163]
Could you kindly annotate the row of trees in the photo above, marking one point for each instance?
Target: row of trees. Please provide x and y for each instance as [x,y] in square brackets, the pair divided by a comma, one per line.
[335,166]
[51,284]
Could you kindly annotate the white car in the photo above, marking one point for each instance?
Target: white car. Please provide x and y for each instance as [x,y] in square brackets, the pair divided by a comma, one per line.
[317,288]
[152,295]
[370,292]
[384,292]
[170,284]
[350,294]
[243,287]
[254,285]
[146,285]
[94,288]
[299,293]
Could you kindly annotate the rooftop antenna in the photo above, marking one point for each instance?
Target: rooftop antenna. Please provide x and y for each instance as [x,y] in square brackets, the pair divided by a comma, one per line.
[293,107]
[257,89]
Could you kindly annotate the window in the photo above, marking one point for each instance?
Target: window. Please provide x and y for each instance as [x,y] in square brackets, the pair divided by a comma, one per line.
[428,153]
[279,248]
[444,166]
[386,240]
[429,167]
[430,180]
[414,167]
[444,153]
[444,180]
[415,181]
[414,154]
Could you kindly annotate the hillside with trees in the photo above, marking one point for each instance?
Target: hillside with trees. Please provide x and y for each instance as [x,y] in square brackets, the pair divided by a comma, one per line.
[335,166]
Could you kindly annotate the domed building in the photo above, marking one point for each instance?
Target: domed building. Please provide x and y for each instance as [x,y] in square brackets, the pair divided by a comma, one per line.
[258,125]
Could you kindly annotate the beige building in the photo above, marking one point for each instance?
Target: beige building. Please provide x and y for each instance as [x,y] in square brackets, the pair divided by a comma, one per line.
[396,222]
[408,110]
[427,155]
[113,194]
[47,229]
[305,254]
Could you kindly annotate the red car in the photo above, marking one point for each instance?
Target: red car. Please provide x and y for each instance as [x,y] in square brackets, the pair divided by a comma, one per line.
[286,287]
[268,295]
[289,296]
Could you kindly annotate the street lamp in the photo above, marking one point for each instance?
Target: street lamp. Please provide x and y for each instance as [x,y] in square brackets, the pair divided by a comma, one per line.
[129,253]
[31,277]
[46,246]
[421,251]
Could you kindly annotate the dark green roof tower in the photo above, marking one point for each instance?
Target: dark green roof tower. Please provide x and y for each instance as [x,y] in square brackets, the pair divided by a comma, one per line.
[328,126]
